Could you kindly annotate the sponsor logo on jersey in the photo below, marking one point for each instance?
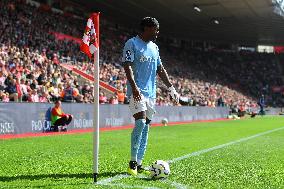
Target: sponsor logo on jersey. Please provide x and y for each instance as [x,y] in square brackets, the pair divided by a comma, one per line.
[147,59]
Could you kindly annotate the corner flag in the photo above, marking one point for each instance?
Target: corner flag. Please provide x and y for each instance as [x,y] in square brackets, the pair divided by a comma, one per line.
[90,46]
[90,41]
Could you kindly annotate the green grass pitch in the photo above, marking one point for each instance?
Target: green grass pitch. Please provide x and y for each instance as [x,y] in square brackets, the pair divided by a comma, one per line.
[65,161]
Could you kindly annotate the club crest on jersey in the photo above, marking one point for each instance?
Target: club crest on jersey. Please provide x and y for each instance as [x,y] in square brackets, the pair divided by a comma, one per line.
[128,55]
[147,59]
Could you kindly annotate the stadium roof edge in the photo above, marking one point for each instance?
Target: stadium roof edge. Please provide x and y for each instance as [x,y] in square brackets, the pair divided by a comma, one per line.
[246,22]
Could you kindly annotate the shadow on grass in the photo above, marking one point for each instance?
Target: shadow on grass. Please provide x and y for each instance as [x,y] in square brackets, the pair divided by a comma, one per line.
[57,176]
[147,179]
[150,179]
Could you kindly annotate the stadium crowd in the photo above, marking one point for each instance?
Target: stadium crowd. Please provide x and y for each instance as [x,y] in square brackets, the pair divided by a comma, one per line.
[30,57]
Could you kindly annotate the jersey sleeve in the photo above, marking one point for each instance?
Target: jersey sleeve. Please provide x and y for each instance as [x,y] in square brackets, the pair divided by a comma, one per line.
[128,52]
[159,61]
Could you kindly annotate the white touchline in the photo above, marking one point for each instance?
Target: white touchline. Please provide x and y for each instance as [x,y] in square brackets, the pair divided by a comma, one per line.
[222,145]
[197,153]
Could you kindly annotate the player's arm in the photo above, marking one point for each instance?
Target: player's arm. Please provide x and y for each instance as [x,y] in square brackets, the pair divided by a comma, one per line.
[130,77]
[162,73]
[128,59]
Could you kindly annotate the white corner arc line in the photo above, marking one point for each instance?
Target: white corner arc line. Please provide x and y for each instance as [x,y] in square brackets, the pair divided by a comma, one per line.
[197,153]
[111,179]
[131,186]
[175,184]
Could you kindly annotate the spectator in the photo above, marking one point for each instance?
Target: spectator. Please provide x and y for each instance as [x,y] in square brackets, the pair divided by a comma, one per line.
[69,94]
[2,87]
[120,96]
[33,96]
[28,52]
[12,90]
[2,77]
[59,118]
[5,97]
[24,89]
[44,97]
[221,101]
[53,91]
[102,98]
[19,90]
[113,100]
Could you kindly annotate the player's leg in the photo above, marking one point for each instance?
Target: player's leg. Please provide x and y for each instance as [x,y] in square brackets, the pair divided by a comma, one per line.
[136,134]
[138,110]
[144,139]
[60,122]
[143,146]
[136,140]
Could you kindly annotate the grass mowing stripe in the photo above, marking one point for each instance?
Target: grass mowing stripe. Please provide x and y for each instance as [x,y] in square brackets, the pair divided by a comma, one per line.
[67,160]
[222,145]
[197,153]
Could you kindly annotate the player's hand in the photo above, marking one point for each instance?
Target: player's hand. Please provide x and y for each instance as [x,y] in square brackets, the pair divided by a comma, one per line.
[174,94]
[137,95]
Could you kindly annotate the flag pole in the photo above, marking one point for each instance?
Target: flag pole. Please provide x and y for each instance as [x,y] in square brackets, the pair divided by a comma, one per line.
[96,117]
[96,125]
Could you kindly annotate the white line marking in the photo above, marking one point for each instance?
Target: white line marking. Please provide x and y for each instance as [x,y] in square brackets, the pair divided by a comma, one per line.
[175,184]
[197,153]
[131,186]
[222,146]
[111,179]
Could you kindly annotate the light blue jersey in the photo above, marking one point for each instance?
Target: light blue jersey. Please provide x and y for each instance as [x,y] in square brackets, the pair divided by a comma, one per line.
[145,60]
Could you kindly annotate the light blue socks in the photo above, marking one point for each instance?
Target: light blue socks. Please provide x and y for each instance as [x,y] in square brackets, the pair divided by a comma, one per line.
[136,136]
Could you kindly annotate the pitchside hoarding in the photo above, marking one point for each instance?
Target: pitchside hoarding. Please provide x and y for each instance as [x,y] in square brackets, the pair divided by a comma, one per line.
[17,118]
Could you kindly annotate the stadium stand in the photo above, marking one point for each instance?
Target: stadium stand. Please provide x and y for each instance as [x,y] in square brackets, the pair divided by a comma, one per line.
[31,54]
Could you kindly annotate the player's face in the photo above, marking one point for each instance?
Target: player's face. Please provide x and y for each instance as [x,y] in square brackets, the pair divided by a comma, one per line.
[153,32]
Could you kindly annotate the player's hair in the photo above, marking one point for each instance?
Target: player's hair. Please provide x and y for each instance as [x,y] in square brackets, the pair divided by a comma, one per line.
[148,22]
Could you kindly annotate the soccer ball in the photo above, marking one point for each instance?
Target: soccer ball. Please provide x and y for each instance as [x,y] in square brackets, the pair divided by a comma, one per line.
[165,121]
[160,169]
